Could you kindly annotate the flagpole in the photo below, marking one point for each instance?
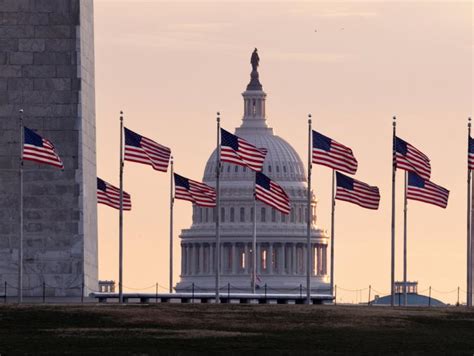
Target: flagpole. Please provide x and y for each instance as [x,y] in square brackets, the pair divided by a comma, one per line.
[405,210]
[333,209]
[121,213]
[218,198]
[171,222]
[469,217]
[392,280]
[20,248]
[254,240]
[308,242]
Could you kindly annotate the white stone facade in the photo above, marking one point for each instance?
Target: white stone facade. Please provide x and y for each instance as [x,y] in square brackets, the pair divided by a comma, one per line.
[281,239]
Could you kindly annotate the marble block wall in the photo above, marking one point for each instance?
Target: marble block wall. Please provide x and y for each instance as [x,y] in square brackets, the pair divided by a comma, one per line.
[47,69]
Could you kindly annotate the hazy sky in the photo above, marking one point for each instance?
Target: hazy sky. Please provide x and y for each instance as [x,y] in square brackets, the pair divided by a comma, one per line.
[171,65]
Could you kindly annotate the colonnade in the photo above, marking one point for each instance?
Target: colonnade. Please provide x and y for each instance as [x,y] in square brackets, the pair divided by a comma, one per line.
[236,258]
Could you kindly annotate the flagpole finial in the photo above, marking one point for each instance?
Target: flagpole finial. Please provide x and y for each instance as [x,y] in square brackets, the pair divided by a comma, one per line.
[394,121]
[121,115]
[469,122]
[218,117]
[309,118]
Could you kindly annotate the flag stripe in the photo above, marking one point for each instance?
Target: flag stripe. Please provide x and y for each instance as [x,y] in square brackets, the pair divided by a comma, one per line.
[109,195]
[238,151]
[40,150]
[141,149]
[409,158]
[271,193]
[332,154]
[356,192]
[195,192]
[426,191]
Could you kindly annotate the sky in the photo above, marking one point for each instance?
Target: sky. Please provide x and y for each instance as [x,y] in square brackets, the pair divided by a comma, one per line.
[170,66]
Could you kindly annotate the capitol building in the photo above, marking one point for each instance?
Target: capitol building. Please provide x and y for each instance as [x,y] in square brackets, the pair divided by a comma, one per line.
[281,239]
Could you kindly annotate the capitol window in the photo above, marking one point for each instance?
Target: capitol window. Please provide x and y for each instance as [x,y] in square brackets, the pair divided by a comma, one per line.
[269,168]
[283,218]
[284,169]
[273,215]
[300,214]
[222,214]
[263,215]
[278,169]
[236,169]
[214,214]
[293,216]
[232,214]
[251,214]
[228,169]
[242,214]
[207,215]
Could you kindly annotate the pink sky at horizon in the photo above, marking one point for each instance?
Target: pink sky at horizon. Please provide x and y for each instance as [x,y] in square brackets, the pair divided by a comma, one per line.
[171,66]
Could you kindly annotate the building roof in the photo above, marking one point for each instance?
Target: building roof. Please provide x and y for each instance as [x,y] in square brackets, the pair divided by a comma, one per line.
[412,300]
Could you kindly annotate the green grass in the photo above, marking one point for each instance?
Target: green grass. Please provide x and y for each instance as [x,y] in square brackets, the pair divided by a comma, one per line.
[207,328]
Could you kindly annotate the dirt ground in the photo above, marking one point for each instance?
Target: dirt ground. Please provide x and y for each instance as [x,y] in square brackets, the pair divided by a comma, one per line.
[214,329]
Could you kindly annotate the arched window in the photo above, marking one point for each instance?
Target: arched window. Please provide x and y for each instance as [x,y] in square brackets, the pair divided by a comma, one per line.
[254,107]
[269,168]
[228,169]
[242,214]
[236,169]
[232,214]
[278,169]
[222,214]
[263,214]
[283,218]
[251,214]
[284,169]
[292,216]
[274,215]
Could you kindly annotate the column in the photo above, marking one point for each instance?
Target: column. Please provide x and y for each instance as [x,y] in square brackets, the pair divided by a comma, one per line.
[201,258]
[183,256]
[293,259]
[259,258]
[324,262]
[320,260]
[305,258]
[223,258]
[282,257]
[211,258]
[192,264]
[247,260]
[270,259]
[233,256]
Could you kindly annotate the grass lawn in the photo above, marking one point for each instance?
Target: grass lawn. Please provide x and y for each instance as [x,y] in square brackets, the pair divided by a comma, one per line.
[268,329]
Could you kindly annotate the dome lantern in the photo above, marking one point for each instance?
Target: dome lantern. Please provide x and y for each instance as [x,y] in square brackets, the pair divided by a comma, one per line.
[254,101]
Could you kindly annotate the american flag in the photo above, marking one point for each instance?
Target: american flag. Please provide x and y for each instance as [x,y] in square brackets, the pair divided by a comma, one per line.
[143,150]
[109,195]
[271,193]
[195,192]
[411,159]
[426,191]
[238,151]
[357,192]
[332,154]
[38,149]
[471,153]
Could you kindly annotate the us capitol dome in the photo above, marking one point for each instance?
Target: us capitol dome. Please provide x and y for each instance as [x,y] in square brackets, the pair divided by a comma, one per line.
[281,239]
